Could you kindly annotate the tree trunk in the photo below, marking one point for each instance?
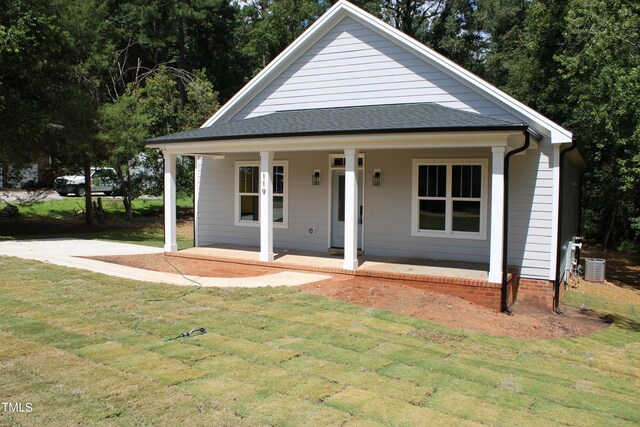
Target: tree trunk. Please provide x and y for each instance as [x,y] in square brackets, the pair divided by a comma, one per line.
[4,179]
[129,205]
[126,191]
[88,219]
[181,49]
[610,230]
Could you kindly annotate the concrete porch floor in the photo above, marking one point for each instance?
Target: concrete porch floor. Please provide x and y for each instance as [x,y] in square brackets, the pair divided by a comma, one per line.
[332,262]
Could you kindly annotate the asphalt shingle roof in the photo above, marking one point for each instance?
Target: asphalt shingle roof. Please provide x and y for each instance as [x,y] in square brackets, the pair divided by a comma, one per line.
[423,117]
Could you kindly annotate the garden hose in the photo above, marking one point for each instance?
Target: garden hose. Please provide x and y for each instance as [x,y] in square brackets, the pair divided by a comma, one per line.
[192,332]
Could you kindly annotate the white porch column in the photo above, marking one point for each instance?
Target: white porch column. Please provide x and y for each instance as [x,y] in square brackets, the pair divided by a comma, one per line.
[266,206]
[350,209]
[497,214]
[170,244]
[196,197]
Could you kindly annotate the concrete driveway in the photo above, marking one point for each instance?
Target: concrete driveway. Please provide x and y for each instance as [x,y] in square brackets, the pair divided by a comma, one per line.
[15,195]
[69,252]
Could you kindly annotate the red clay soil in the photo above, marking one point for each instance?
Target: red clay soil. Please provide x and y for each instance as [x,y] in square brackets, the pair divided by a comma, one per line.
[191,267]
[528,322]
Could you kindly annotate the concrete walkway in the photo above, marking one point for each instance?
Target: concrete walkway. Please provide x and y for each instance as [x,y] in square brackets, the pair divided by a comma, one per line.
[67,253]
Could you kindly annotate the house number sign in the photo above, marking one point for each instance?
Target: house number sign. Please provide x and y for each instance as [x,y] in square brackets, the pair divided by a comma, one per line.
[264,179]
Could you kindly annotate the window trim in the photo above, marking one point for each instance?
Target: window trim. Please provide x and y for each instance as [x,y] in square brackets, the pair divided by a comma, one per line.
[448,232]
[236,186]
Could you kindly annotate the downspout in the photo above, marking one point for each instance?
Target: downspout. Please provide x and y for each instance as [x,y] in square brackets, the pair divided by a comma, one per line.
[580,229]
[556,285]
[505,213]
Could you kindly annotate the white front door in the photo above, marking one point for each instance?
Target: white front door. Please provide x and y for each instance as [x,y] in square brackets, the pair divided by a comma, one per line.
[337,208]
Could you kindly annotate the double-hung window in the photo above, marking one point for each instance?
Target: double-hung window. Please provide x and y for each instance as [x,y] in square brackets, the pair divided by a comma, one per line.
[449,198]
[247,189]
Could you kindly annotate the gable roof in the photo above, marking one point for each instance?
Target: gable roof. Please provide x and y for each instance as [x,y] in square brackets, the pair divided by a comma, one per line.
[424,117]
[344,9]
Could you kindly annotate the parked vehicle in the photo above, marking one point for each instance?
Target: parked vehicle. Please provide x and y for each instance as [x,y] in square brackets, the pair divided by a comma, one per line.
[102,181]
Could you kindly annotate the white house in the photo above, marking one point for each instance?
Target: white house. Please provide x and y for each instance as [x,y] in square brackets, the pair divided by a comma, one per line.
[361,138]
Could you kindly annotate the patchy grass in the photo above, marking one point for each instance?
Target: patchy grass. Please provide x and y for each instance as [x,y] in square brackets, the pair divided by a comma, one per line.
[91,349]
[53,218]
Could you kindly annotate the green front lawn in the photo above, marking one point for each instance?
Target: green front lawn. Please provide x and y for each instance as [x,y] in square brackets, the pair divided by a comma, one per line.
[88,349]
[55,218]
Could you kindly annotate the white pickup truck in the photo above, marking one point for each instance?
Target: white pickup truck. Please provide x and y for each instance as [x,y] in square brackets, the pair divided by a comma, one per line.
[102,181]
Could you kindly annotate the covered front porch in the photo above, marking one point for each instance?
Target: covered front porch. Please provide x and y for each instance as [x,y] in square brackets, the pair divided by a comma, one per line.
[415,181]
[364,223]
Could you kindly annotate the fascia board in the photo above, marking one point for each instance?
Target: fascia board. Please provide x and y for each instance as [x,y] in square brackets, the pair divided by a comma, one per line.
[558,133]
[340,142]
[307,39]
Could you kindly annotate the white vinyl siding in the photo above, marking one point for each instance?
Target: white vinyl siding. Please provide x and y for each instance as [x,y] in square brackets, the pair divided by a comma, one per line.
[306,203]
[351,65]
[531,211]
[387,208]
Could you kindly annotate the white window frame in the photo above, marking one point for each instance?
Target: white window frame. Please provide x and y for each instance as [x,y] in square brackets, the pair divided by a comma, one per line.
[285,194]
[448,232]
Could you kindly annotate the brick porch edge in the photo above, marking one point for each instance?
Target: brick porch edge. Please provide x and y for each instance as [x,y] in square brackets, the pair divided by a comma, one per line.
[481,292]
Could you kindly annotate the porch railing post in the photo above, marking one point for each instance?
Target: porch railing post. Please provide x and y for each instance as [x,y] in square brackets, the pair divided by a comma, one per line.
[351,209]
[170,244]
[497,213]
[266,206]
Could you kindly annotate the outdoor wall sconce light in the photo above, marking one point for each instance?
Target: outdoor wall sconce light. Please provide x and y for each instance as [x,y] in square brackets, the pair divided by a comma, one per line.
[315,178]
[377,177]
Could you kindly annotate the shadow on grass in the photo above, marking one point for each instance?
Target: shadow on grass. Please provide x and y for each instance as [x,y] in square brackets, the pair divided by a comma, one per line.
[619,320]
[623,322]
[621,268]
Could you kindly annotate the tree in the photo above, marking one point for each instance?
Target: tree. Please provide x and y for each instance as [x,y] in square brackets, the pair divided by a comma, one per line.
[412,17]
[87,30]
[503,24]
[187,35]
[600,63]
[269,26]
[30,39]
[124,126]
[153,106]
[456,33]
[52,54]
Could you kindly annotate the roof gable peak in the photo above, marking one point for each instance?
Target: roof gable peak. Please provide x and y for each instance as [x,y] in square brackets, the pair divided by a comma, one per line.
[333,17]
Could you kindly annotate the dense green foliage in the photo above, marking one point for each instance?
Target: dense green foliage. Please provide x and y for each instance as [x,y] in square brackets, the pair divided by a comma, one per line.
[74,74]
[154,108]
[600,67]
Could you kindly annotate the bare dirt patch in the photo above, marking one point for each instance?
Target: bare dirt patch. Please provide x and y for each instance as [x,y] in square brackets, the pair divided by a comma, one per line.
[188,266]
[528,322]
